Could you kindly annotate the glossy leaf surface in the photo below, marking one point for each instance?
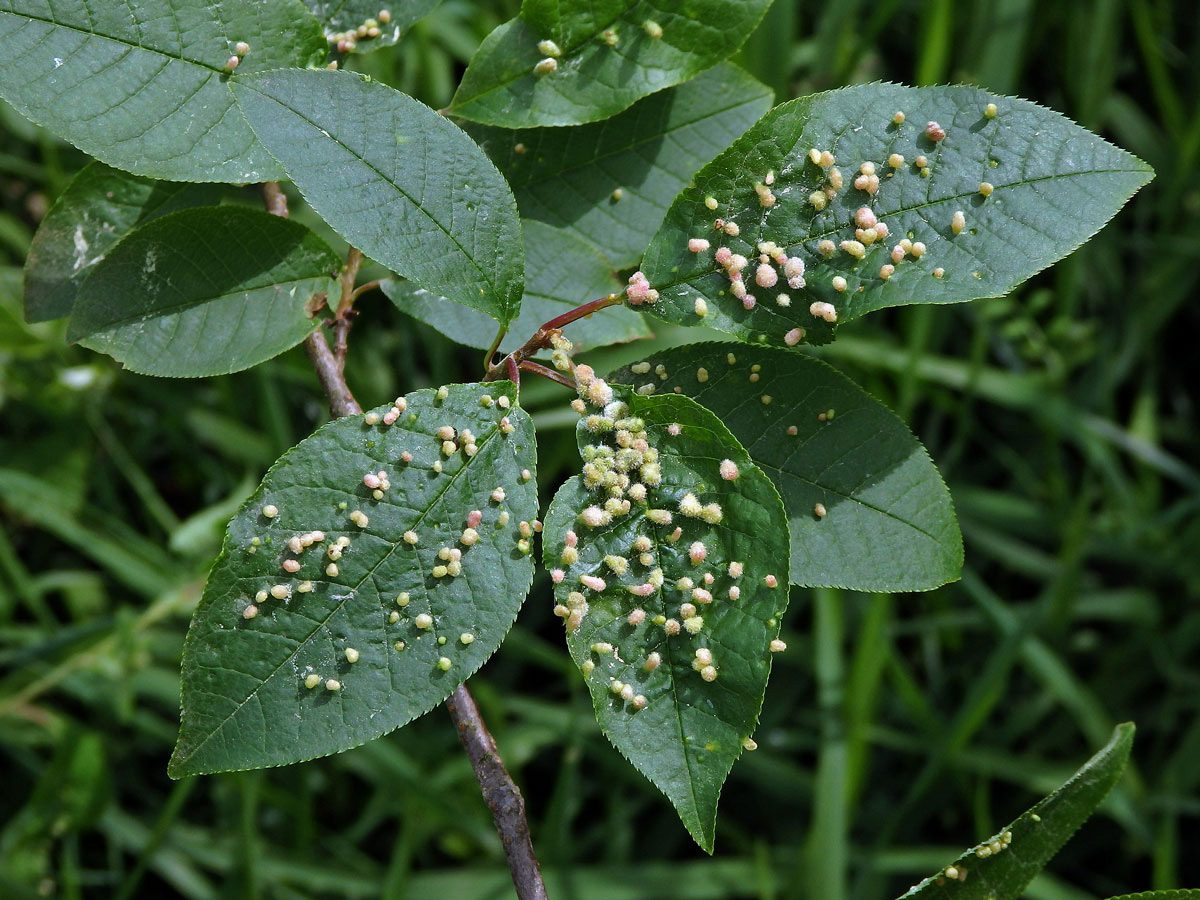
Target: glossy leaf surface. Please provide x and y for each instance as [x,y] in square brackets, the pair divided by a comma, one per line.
[396,180]
[205,291]
[1052,185]
[99,207]
[611,182]
[888,522]
[145,86]
[720,525]
[999,867]
[373,620]
[609,55]
[344,16]
[561,272]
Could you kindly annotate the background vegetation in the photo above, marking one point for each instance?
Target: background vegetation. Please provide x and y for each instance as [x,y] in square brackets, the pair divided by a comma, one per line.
[897,729]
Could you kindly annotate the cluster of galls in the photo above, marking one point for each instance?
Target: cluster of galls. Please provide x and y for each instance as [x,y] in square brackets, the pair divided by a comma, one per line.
[449,558]
[240,49]
[639,290]
[623,467]
[347,41]
[868,230]
[998,844]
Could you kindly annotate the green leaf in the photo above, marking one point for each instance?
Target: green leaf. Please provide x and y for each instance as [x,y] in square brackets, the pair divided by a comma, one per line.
[999,867]
[595,79]
[396,180]
[1055,185]
[1181,894]
[341,16]
[204,291]
[889,522]
[99,207]
[690,730]
[567,176]
[561,273]
[245,699]
[143,86]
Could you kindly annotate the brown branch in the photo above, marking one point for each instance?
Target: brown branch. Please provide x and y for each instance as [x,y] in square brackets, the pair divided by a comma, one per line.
[500,792]
[275,199]
[502,795]
[343,318]
[330,374]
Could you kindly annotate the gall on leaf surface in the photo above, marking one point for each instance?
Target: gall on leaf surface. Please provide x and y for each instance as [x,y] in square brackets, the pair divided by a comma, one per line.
[205,291]
[1053,185]
[144,86]
[610,54]
[395,179]
[611,182]
[888,522]
[999,867]
[343,16]
[561,273]
[690,730]
[245,700]
[96,210]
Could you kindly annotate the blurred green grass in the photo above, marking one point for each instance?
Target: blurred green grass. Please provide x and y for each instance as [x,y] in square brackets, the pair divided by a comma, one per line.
[897,729]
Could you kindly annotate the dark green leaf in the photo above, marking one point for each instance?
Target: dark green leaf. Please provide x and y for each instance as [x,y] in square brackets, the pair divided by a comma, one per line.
[594,78]
[1055,185]
[561,272]
[999,867]
[396,180]
[98,208]
[679,725]
[144,86]
[340,17]
[567,176]
[245,700]
[889,522]
[204,292]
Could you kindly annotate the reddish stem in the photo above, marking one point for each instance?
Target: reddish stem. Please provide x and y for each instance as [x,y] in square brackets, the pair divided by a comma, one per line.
[581,312]
[542,337]
[528,365]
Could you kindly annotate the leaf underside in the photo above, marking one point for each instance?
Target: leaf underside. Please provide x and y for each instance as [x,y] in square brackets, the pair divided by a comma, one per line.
[245,700]
[561,273]
[594,79]
[568,176]
[204,291]
[687,735]
[99,207]
[143,86]
[396,180]
[889,522]
[1054,185]
[1000,867]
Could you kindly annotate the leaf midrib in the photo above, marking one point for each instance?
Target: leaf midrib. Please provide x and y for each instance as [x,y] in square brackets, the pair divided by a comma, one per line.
[762,464]
[399,190]
[116,40]
[566,170]
[177,308]
[566,53]
[925,205]
[322,623]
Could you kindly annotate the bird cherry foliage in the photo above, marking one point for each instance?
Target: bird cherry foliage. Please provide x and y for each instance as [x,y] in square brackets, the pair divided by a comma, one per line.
[382,559]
